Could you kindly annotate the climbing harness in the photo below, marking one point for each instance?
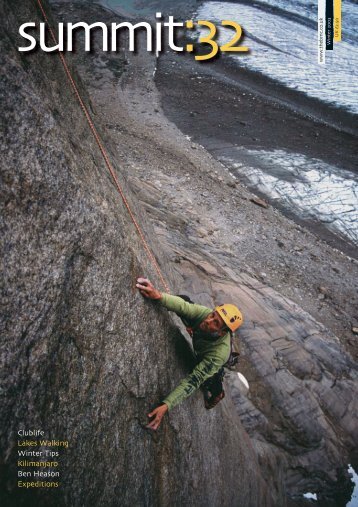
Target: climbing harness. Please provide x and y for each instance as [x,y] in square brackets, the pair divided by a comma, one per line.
[105,156]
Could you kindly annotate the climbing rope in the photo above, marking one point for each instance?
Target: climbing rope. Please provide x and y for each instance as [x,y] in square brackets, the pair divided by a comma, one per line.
[104,154]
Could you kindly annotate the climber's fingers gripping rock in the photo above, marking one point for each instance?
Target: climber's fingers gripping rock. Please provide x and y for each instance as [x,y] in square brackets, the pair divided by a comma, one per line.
[158,414]
[147,289]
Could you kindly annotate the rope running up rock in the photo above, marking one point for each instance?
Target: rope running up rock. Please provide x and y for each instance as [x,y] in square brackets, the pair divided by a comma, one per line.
[104,154]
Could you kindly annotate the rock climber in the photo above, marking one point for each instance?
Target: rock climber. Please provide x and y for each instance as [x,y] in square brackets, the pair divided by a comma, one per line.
[211,332]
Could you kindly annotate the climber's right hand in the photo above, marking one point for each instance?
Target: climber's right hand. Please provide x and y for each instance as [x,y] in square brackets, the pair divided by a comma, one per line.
[147,289]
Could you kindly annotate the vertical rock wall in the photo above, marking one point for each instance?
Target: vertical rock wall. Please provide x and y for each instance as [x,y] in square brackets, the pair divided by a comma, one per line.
[83,357]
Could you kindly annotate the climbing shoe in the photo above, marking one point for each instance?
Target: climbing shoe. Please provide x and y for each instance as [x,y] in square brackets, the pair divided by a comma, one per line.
[214,400]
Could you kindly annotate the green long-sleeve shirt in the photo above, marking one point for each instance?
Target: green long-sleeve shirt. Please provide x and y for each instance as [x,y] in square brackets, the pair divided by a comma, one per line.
[212,355]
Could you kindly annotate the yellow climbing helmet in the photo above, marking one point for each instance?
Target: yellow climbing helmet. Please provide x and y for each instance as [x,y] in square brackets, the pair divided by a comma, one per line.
[231,315]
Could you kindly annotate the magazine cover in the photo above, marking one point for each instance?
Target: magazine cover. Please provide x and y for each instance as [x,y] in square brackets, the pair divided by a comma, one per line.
[179,230]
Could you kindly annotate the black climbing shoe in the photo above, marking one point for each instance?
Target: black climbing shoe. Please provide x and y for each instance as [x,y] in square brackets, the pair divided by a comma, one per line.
[211,402]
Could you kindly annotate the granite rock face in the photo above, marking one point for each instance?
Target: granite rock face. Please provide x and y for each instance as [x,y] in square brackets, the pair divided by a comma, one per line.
[83,356]
[301,409]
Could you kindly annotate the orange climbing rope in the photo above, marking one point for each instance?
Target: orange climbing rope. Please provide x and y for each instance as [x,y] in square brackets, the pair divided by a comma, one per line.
[104,154]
